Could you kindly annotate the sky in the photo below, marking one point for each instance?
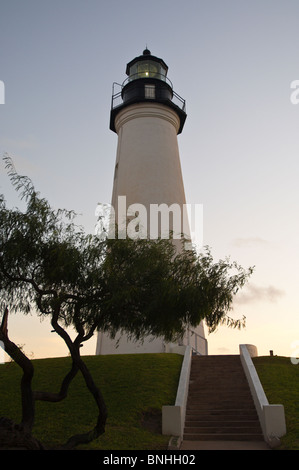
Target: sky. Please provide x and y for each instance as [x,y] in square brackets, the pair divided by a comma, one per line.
[233,61]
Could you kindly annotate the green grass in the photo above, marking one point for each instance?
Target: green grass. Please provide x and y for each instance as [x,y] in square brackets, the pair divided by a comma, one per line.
[134,387]
[280,380]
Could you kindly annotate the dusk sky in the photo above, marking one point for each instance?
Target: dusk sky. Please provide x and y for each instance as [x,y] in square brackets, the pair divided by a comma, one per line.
[233,61]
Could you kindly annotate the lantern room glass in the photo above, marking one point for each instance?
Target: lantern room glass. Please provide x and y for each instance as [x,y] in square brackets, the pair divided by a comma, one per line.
[147,69]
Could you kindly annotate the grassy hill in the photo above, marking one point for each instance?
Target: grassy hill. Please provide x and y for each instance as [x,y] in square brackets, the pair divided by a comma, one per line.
[280,380]
[135,387]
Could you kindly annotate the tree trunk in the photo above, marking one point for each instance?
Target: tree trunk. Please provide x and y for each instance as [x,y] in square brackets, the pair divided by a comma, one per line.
[12,435]
[74,348]
[102,416]
[10,432]
[26,391]
[56,397]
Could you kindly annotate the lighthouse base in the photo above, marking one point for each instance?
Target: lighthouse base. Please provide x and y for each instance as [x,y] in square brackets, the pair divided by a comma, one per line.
[122,345]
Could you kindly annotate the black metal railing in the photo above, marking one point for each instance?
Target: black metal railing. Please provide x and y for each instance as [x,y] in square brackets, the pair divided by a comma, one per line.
[149,74]
[117,99]
[179,101]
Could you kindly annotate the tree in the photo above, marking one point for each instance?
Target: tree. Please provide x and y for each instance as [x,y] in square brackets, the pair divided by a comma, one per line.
[140,287]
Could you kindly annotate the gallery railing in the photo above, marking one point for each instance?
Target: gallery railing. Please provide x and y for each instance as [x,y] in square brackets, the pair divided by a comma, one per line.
[117,99]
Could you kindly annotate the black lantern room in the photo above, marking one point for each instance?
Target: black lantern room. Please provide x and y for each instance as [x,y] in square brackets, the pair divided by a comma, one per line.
[147,81]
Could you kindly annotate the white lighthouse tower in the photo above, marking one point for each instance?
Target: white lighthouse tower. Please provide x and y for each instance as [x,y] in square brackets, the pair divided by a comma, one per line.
[147,115]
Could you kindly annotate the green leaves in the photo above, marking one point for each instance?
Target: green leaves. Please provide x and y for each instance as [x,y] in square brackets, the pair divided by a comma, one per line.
[141,287]
[150,291]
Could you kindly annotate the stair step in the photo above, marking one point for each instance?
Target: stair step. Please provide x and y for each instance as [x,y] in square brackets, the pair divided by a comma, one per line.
[254,427]
[243,413]
[224,431]
[223,437]
[222,424]
[216,407]
[195,397]
[204,417]
[219,399]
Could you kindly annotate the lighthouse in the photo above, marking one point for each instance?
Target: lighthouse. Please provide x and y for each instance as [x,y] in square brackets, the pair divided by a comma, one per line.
[147,115]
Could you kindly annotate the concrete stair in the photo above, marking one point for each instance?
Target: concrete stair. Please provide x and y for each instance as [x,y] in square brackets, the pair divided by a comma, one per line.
[220,406]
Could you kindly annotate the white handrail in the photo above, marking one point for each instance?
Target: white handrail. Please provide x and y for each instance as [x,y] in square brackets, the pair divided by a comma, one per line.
[272,417]
[173,417]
